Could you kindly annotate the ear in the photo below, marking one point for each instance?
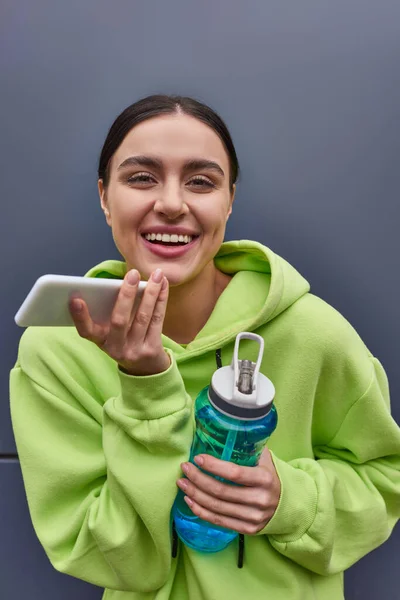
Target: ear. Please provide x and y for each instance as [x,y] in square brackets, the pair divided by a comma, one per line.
[104,201]
[233,192]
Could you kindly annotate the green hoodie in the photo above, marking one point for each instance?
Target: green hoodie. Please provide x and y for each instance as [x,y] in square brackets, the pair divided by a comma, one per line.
[100,450]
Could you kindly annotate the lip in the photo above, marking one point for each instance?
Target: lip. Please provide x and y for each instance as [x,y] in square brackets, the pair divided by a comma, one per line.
[168,251]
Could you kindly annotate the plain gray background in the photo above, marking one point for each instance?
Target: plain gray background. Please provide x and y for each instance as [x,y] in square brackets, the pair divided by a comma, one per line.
[311,93]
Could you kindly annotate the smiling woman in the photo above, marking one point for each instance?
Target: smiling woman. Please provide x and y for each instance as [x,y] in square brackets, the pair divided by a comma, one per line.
[170,174]
[103,414]
[167,175]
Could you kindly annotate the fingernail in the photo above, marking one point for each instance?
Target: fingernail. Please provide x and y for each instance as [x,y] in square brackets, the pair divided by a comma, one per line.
[188,501]
[77,305]
[157,276]
[185,468]
[182,483]
[164,283]
[199,460]
[133,277]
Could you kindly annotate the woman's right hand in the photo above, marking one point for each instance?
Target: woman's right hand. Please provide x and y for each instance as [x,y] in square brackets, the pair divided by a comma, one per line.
[131,338]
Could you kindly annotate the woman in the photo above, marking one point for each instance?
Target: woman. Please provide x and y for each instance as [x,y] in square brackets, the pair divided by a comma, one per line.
[102,415]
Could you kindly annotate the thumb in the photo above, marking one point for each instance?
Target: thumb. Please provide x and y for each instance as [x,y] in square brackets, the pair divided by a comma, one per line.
[266,460]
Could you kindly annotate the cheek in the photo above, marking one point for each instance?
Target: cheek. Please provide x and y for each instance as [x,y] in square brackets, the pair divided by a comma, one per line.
[127,209]
[215,222]
[213,214]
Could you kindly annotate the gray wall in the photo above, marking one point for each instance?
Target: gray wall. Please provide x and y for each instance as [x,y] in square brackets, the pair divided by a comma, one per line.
[311,92]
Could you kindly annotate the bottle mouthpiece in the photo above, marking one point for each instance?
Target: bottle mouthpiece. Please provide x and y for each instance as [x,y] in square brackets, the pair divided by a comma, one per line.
[245,383]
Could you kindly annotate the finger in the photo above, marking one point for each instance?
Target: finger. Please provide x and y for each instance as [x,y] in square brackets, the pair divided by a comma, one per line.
[157,321]
[84,324]
[121,316]
[239,525]
[144,313]
[247,495]
[250,476]
[215,505]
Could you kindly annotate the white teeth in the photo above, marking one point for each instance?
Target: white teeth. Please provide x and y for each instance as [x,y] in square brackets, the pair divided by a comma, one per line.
[165,237]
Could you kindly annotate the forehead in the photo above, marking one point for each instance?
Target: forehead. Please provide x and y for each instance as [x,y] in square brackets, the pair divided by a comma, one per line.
[175,138]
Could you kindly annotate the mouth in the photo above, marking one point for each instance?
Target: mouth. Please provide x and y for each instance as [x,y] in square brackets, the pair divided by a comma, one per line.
[169,240]
[169,246]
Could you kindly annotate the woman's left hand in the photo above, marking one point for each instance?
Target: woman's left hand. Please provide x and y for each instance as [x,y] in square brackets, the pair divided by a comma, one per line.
[246,507]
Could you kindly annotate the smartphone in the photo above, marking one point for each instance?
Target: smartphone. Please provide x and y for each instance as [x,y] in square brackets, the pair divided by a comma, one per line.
[47,302]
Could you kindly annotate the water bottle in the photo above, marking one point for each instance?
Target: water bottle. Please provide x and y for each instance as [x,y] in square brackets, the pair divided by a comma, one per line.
[235,416]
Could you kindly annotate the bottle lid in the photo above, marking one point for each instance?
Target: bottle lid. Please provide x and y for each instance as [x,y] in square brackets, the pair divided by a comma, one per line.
[240,390]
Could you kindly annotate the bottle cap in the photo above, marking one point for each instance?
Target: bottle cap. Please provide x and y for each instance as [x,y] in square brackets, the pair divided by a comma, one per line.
[240,390]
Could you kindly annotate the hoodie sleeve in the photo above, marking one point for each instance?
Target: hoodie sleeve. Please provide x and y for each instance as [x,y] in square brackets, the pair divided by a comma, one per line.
[100,480]
[337,508]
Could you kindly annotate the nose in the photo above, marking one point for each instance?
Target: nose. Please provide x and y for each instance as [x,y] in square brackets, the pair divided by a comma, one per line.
[170,201]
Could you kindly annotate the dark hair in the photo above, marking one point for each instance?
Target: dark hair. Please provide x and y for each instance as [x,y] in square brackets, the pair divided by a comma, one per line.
[153,106]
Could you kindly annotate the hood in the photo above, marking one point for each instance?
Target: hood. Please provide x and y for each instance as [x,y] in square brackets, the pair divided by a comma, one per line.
[262,287]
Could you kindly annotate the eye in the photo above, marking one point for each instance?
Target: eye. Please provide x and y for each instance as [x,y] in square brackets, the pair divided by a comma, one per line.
[141,179]
[201,182]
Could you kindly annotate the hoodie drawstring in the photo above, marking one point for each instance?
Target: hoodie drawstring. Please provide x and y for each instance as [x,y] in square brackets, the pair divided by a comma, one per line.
[174,550]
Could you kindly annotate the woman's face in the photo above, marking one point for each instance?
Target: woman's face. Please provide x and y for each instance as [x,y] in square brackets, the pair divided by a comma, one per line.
[170,176]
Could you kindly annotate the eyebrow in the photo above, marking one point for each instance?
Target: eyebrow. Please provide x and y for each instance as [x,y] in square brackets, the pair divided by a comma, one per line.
[198,164]
[194,164]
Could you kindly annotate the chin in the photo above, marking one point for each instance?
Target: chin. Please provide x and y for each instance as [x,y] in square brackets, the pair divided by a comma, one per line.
[177,274]
[175,278]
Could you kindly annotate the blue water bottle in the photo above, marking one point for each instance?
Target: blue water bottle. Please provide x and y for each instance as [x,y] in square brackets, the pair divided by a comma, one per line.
[235,416]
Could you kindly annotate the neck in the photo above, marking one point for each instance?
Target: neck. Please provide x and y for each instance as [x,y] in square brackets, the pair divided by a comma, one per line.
[191,304]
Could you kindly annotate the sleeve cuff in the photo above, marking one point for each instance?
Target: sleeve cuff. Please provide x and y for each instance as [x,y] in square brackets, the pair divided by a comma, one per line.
[152,396]
[297,505]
